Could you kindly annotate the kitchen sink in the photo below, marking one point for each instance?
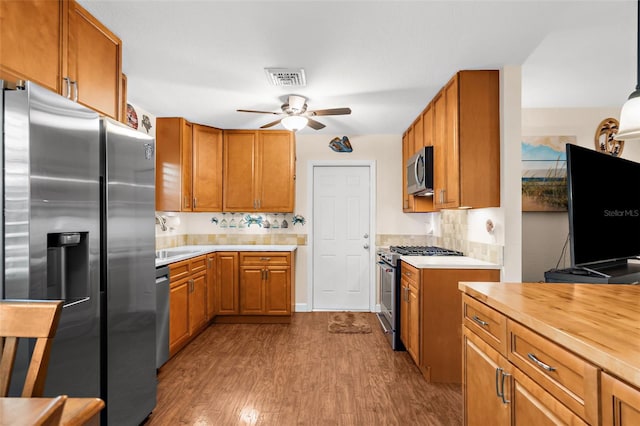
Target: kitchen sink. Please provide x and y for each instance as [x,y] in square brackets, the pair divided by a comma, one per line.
[167,253]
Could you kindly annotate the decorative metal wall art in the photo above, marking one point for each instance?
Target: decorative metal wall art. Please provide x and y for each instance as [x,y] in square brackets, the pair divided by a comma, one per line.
[604,140]
[340,144]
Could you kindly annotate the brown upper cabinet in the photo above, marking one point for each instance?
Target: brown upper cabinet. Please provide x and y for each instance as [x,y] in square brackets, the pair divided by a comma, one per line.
[418,135]
[462,123]
[60,46]
[188,166]
[259,171]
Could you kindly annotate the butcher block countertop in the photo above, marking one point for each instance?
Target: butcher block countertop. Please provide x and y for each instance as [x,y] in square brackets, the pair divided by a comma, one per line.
[599,322]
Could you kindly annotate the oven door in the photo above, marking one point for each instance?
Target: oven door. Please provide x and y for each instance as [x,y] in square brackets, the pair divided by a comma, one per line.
[387,291]
[389,315]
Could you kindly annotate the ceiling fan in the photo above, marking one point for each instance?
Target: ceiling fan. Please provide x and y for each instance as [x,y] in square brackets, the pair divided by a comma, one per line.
[297,116]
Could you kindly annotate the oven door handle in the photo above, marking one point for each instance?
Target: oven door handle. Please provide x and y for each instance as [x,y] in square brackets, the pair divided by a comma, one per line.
[385,266]
[384,328]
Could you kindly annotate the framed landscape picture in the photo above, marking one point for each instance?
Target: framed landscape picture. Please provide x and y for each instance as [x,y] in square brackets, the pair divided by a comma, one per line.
[544,173]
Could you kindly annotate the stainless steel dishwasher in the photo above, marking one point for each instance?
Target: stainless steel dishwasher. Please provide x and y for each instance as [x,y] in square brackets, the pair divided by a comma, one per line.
[162,315]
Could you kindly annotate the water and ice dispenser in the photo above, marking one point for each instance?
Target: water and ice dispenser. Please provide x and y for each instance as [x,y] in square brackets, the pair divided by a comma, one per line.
[68,267]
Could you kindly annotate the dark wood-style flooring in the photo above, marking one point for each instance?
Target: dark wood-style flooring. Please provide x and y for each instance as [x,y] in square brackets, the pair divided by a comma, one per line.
[298,374]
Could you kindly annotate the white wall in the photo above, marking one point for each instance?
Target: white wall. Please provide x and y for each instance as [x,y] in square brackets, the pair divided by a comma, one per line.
[510,158]
[386,151]
[544,233]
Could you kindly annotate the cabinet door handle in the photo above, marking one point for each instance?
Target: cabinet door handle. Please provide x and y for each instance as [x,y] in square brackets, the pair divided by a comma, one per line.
[191,286]
[479,321]
[76,91]
[186,201]
[498,371]
[67,82]
[195,202]
[210,262]
[504,399]
[540,364]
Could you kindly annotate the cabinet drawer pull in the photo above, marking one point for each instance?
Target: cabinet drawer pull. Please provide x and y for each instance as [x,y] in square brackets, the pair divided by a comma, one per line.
[541,364]
[265,258]
[479,321]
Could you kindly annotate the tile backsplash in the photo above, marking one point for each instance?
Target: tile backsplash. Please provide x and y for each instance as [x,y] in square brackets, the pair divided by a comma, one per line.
[454,232]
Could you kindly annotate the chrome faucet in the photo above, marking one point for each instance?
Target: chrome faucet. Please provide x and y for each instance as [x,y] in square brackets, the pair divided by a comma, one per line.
[162,221]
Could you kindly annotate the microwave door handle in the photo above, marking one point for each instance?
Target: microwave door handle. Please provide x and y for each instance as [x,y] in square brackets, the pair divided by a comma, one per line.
[419,166]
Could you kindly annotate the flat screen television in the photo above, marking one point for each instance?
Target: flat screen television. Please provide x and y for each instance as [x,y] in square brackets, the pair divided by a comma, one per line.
[604,207]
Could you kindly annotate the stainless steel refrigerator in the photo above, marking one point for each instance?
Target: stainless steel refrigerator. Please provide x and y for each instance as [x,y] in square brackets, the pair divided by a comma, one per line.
[78,225]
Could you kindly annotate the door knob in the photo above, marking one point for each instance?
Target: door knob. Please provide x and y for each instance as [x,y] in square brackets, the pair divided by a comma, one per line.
[366,246]
[366,235]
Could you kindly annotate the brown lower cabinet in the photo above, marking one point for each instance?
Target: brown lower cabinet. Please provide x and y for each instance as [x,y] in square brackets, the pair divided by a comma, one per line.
[187,301]
[228,287]
[255,286]
[431,322]
[620,402]
[514,376]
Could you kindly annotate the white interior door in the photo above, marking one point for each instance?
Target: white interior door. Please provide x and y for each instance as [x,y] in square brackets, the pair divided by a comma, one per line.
[341,240]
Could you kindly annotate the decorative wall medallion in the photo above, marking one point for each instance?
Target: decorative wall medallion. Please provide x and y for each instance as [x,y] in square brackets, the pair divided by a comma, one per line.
[132,117]
[340,144]
[604,140]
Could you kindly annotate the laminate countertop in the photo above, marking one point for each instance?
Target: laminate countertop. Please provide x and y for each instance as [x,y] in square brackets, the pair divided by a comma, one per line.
[599,322]
[448,262]
[176,254]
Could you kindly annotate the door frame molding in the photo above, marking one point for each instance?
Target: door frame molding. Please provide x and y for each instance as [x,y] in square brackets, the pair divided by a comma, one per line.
[371,164]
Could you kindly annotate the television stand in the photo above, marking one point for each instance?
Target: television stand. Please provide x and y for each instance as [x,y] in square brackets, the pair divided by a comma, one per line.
[621,272]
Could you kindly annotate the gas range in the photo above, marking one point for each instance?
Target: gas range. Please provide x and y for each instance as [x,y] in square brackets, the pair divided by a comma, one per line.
[424,251]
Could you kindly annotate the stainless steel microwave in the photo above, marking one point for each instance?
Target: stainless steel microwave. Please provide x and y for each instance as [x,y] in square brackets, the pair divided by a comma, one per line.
[420,172]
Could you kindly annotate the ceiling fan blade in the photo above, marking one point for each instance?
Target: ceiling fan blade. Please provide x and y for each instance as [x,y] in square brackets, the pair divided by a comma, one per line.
[315,124]
[273,123]
[330,111]
[259,112]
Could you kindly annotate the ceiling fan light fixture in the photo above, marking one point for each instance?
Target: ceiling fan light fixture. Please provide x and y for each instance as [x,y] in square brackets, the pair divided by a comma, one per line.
[629,127]
[294,122]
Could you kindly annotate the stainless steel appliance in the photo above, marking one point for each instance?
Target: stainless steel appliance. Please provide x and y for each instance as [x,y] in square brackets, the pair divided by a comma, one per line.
[419,170]
[162,315]
[389,276]
[78,208]
[389,315]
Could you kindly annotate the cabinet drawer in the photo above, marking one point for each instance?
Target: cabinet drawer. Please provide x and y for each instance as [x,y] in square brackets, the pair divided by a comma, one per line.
[569,378]
[265,258]
[489,324]
[198,264]
[179,270]
[410,272]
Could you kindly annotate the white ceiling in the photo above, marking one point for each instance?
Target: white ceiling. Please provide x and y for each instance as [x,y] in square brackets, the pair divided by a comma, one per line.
[385,60]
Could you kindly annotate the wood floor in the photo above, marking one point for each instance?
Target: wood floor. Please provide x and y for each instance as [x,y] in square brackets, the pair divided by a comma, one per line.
[298,374]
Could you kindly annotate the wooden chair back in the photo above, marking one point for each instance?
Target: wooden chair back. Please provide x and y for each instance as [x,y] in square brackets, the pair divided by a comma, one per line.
[27,319]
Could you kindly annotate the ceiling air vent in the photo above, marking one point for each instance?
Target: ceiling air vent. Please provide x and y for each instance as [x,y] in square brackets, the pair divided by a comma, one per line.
[286,76]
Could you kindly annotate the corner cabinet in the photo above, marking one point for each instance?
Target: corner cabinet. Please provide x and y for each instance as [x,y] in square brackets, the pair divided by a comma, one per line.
[69,52]
[467,141]
[259,171]
[188,166]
